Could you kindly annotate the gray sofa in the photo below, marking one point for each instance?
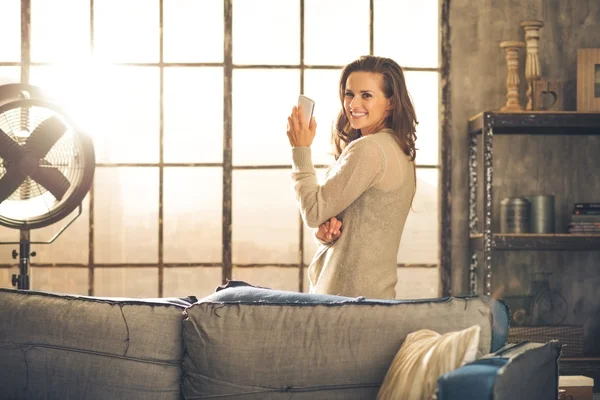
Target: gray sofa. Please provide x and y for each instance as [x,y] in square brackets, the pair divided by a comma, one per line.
[244,342]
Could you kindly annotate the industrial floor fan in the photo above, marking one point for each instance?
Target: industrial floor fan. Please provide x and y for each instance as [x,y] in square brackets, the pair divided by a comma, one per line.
[46,168]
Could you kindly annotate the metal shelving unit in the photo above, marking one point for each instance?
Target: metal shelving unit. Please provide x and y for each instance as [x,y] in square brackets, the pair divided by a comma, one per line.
[542,242]
[484,126]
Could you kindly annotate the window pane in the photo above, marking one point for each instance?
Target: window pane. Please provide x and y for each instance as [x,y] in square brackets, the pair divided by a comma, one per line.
[265,217]
[10,30]
[124,114]
[193,31]
[278,278]
[322,87]
[418,283]
[198,281]
[8,235]
[423,88]
[126,282]
[305,281]
[72,246]
[266,32]
[126,215]
[117,106]
[193,115]
[336,31]
[420,241]
[10,75]
[262,101]
[57,35]
[7,273]
[60,280]
[407,33]
[65,84]
[127,30]
[193,199]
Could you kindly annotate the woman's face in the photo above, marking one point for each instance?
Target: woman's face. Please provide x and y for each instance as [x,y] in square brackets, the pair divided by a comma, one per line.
[365,104]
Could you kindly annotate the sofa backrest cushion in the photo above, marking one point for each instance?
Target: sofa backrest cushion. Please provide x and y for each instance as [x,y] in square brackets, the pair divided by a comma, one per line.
[63,346]
[274,344]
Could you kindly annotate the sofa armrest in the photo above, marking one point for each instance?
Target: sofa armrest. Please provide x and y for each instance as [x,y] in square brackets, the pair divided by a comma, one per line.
[517,371]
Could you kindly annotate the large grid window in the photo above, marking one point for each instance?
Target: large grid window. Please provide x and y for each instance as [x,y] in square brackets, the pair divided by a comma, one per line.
[187,103]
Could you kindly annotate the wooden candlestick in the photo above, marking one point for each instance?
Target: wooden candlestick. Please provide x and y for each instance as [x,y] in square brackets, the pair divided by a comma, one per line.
[532,63]
[511,48]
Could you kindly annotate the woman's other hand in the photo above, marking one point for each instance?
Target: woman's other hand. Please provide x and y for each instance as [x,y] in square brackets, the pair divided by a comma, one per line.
[299,134]
[330,230]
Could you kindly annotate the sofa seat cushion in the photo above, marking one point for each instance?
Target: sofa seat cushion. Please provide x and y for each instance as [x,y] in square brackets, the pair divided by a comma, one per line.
[63,346]
[273,344]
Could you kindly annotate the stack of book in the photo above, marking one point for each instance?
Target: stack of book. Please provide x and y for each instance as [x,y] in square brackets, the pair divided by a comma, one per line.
[585,218]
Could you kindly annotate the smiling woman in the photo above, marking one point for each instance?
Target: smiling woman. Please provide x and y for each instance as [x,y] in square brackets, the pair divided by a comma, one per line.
[360,209]
[365,102]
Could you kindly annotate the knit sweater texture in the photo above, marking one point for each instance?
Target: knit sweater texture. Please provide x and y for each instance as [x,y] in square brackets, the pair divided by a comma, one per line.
[370,189]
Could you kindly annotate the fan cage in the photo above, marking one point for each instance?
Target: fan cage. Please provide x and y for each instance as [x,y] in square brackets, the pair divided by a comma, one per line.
[31,205]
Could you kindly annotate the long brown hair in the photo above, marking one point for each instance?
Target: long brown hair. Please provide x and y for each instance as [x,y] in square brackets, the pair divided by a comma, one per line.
[402,120]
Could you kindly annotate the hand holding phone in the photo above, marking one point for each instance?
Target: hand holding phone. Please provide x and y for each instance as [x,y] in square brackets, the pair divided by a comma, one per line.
[308,106]
[302,135]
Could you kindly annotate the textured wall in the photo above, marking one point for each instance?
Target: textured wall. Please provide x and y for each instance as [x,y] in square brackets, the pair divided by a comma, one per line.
[565,166]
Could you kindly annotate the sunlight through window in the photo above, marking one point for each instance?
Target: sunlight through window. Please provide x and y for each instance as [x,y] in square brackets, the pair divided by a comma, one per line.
[117,105]
[193,31]
[337,31]
[63,38]
[262,100]
[407,33]
[266,32]
[127,30]
[157,112]
[193,114]
[10,30]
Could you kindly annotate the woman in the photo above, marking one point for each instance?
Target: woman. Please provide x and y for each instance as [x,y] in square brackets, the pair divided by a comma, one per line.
[370,187]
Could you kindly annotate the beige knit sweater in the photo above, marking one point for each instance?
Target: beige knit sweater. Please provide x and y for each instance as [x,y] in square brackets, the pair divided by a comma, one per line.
[369,188]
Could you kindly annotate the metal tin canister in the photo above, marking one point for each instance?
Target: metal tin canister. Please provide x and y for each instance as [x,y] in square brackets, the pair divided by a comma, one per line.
[514,215]
[542,214]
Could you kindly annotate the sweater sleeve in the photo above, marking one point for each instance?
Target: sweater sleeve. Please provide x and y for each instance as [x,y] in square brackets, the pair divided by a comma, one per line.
[359,167]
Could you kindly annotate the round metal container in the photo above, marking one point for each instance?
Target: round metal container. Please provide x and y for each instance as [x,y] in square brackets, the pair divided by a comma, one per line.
[542,214]
[514,215]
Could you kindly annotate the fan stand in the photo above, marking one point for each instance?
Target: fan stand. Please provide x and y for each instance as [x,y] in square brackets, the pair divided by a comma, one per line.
[21,281]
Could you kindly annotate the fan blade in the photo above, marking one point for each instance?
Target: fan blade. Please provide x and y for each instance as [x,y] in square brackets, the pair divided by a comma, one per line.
[52,179]
[9,149]
[10,182]
[45,136]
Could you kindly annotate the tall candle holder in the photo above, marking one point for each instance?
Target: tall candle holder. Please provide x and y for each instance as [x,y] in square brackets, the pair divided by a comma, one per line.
[532,62]
[511,49]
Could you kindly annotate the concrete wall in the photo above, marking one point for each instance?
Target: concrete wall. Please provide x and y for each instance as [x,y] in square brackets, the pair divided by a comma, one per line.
[568,167]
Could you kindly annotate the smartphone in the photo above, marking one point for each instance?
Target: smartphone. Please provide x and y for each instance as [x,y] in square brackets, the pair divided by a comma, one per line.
[308,105]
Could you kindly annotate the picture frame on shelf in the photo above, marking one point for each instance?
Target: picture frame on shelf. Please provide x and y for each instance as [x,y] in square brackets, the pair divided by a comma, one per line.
[588,80]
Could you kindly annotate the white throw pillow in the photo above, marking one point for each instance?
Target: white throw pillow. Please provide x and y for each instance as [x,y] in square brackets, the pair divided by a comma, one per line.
[422,358]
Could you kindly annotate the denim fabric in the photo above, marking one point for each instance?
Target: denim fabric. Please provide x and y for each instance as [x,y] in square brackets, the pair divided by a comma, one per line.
[76,347]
